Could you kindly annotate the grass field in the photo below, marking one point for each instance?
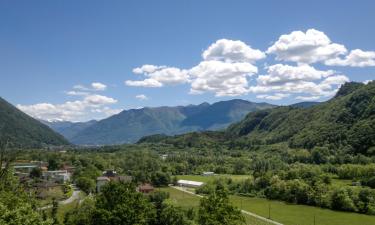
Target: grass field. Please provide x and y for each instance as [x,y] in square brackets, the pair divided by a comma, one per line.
[288,214]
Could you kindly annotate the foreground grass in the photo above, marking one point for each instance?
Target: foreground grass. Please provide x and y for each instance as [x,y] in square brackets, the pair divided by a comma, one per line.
[186,200]
[288,214]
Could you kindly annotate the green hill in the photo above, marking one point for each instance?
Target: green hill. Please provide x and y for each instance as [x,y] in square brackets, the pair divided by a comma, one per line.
[347,122]
[22,130]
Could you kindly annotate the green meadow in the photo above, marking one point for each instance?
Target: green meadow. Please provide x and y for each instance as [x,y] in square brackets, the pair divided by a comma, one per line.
[288,214]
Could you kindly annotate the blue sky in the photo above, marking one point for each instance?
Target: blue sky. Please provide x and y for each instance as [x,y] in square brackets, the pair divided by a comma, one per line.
[200,51]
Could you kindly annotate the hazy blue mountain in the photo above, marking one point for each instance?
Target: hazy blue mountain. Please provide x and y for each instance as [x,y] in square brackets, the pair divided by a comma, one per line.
[130,125]
[23,131]
[68,129]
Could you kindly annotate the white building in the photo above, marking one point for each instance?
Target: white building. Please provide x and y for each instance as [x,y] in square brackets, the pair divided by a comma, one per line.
[189,183]
[60,176]
[208,174]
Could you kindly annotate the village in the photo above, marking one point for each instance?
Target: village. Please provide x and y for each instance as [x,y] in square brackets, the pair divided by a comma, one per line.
[50,183]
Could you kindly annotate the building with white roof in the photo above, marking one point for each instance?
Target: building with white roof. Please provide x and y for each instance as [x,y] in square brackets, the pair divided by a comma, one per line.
[189,183]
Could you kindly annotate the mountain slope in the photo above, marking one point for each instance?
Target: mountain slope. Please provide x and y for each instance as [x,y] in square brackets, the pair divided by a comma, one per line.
[346,121]
[22,130]
[69,129]
[130,125]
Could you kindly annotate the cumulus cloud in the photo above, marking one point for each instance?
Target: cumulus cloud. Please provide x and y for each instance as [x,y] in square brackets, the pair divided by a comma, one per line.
[141,97]
[280,73]
[98,86]
[71,110]
[95,86]
[77,93]
[356,58]
[276,96]
[306,47]
[158,76]
[232,51]
[224,70]
[221,78]
[302,79]
[315,46]
[145,69]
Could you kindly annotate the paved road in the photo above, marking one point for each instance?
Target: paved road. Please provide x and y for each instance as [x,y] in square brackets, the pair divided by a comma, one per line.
[75,196]
[243,211]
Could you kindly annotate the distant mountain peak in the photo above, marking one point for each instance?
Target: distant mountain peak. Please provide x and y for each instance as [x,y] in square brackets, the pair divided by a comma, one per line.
[130,125]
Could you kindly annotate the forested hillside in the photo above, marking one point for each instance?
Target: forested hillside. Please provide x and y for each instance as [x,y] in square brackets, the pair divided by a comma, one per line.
[21,130]
[345,122]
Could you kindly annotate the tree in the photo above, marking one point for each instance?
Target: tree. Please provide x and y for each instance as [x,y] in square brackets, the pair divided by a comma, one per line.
[342,201]
[119,204]
[216,209]
[55,207]
[53,164]
[160,179]
[171,215]
[81,214]
[36,173]
[85,184]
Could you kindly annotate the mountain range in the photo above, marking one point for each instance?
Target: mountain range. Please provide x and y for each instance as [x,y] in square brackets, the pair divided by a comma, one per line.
[21,130]
[346,122]
[130,125]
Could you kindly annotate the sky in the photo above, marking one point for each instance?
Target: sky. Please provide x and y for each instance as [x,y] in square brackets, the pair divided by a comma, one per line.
[79,60]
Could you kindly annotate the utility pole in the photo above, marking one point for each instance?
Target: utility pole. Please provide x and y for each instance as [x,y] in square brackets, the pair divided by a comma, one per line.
[269,210]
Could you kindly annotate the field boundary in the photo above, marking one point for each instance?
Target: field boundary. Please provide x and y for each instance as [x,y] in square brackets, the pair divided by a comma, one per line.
[243,211]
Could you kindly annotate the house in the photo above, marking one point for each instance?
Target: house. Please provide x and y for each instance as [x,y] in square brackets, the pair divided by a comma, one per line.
[208,174]
[145,188]
[109,173]
[59,176]
[100,182]
[189,183]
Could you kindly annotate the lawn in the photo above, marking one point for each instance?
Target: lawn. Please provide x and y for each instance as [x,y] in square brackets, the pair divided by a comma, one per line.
[210,178]
[288,214]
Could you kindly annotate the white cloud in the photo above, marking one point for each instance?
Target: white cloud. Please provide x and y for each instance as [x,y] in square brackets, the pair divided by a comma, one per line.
[280,73]
[141,97]
[232,51]
[96,100]
[98,86]
[221,78]
[276,96]
[308,98]
[77,93]
[80,87]
[301,79]
[144,83]
[356,58]
[224,70]
[158,76]
[145,69]
[78,110]
[309,47]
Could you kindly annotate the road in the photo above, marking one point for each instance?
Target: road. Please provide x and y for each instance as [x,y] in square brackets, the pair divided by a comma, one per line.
[243,211]
[75,196]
